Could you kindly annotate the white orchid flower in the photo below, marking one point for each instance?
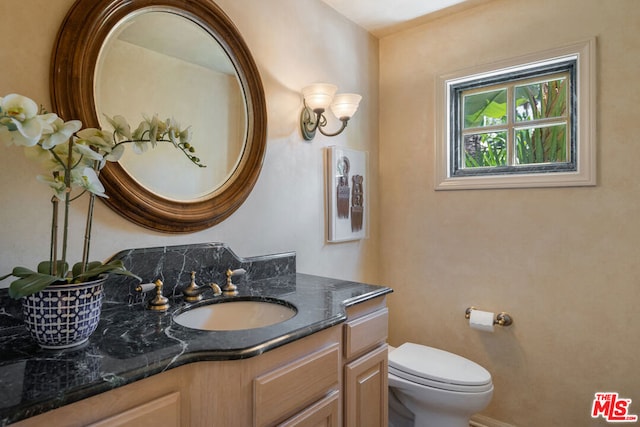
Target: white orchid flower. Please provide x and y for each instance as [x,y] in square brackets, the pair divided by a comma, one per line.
[153,124]
[185,135]
[140,131]
[27,133]
[18,107]
[97,138]
[48,120]
[120,126]
[56,184]
[174,136]
[19,121]
[173,130]
[115,154]
[140,147]
[88,179]
[61,132]
[87,152]
[162,128]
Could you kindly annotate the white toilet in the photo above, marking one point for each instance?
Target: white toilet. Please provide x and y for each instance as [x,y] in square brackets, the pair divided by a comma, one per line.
[434,388]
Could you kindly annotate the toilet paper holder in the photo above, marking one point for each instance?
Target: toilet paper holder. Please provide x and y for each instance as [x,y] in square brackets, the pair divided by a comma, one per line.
[502,318]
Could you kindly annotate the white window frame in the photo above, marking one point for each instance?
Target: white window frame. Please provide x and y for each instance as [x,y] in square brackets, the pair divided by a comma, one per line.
[585,130]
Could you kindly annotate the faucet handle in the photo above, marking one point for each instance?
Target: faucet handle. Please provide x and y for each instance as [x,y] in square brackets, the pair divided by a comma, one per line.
[143,288]
[229,288]
[236,272]
[159,301]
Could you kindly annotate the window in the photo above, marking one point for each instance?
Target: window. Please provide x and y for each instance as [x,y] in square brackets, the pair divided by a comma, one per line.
[516,125]
[523,123]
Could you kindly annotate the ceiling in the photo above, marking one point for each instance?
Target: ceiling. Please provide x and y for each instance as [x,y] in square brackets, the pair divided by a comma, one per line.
[382,17]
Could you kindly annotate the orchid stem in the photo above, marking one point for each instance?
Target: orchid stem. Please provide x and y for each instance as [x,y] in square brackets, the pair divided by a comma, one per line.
[87,230]
[53,254]
[67,202]
[87,233]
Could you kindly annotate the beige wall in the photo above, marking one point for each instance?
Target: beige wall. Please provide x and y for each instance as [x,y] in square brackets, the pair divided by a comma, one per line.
[294,43]
[562,262]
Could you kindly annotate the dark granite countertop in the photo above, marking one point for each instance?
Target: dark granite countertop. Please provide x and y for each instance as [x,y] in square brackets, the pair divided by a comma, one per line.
[132,343]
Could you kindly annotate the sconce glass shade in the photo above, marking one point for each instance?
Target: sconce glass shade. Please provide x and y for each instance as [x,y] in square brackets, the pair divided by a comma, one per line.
[345,105]
[318,96]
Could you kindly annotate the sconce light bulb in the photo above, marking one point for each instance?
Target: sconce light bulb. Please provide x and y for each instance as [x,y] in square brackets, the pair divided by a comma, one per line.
[345,105]
[319,95]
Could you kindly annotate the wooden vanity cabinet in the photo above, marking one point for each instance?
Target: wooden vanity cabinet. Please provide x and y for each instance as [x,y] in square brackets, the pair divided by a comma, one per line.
[365,365]
[293,382]
[335,377]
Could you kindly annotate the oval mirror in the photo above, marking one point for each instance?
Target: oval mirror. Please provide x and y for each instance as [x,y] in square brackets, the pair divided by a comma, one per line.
[172,58]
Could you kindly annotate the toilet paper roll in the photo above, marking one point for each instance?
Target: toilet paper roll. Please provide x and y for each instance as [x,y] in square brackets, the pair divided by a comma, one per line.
[481,320]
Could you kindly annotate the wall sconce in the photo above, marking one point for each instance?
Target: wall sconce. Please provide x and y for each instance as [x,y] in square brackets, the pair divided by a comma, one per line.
[319,96]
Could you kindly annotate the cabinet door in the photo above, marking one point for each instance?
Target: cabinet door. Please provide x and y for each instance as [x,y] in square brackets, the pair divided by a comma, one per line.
[324,413]
[365,389]
[164,411]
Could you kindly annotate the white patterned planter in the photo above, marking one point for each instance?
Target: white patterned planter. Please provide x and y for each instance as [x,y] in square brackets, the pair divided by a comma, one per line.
[63,316]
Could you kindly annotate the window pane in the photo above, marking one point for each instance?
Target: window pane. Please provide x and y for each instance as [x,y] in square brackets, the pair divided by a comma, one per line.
[485,149]
[541,145]
[485,109]
[541,100]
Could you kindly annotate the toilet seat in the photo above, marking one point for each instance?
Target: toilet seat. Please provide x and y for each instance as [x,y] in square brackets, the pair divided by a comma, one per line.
[436,368]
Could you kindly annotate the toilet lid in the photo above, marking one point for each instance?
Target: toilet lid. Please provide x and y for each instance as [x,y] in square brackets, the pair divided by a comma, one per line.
[438,368]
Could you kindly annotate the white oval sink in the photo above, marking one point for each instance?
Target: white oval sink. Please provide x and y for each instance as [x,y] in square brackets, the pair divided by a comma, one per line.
[235,315]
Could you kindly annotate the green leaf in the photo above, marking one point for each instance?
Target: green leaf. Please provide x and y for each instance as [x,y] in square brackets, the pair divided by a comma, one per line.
[488,104]
[30,284]
[21,272]
[45,268]
[77,267]
[114,267]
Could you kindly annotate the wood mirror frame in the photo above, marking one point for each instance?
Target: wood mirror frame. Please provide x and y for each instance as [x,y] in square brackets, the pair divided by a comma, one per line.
[75,55]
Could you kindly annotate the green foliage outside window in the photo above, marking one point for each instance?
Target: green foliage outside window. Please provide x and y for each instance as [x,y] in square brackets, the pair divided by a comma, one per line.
[536,120]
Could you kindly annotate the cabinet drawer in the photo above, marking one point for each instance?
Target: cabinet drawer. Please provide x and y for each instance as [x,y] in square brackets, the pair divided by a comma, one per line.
[366,332]
[281,393]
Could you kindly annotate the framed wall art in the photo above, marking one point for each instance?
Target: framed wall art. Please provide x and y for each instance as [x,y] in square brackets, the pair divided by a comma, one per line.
[347,201]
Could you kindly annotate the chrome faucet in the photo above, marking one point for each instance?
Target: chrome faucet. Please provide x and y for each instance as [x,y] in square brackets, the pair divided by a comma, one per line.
[193,292]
